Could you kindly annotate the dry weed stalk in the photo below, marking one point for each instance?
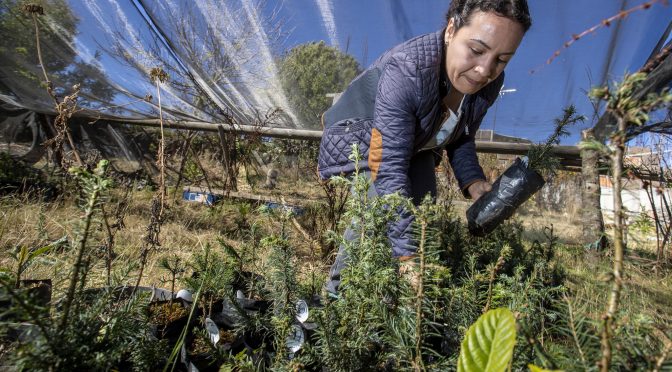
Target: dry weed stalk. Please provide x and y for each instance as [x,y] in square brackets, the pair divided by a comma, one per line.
[112,230]
[661,209]
[64,109]
[158,75]
[203,170]
[158,204]
[605,23]
[656,60]
[493,275]
[109,247]
[184,151]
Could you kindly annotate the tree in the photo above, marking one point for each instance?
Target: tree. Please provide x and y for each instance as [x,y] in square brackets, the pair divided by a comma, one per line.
[591,213]
[217,70]
[19,53]
[309,72]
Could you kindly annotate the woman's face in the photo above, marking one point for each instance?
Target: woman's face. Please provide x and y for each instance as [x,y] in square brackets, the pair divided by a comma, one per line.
[478,52]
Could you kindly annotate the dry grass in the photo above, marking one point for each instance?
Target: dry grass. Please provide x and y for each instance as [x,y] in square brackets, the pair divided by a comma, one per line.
[647,290]
[188,228]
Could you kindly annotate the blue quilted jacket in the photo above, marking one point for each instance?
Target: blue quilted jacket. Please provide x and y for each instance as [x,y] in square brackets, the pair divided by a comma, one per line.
[392,110]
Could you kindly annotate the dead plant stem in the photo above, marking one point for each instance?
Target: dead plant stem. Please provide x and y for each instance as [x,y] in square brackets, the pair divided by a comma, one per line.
[200,166]
[183,162]
[108,247]
[667,349]
[50,91]
[39,57]
[493,276]
[162,161]
[604,23]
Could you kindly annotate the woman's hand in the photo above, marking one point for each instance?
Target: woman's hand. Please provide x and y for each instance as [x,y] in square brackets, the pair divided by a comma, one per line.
[478,188]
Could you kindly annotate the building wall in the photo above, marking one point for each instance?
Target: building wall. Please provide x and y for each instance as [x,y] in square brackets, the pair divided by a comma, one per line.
[635,201]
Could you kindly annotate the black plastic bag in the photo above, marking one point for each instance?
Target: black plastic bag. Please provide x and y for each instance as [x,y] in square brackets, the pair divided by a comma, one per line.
[517,184]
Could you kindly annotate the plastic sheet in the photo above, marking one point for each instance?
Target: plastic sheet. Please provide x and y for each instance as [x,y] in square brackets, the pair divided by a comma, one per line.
[225,58]
[517,184]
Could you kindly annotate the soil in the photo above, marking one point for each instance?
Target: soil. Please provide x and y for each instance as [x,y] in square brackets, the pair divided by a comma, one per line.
[199,345]
[226,336]
[165,313]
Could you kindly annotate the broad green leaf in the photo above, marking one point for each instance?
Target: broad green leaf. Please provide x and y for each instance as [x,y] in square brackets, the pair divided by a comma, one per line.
[23,256]
[534,368]
[488,344]
[40,251]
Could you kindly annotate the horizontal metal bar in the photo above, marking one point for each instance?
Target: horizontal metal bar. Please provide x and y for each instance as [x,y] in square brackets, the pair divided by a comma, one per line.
[289,133]
[564,152]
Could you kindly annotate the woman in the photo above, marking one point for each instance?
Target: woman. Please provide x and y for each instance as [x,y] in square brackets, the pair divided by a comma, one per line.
[425,95]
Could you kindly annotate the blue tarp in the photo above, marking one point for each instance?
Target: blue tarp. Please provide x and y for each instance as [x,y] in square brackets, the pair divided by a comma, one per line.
[222,55]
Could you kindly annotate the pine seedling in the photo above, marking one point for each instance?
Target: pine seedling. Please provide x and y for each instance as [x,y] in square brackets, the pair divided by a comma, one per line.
[370,291]
[539,156]
[574,323]
[282,284]
[175,267]
[250,259]
[425,295]
[494,269]
[213,275]
[94,185]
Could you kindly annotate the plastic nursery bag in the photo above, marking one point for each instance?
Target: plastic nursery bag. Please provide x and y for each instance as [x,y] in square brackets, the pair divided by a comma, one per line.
[510,190]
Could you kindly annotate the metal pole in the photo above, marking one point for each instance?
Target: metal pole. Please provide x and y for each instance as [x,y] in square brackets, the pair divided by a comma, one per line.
[564,152]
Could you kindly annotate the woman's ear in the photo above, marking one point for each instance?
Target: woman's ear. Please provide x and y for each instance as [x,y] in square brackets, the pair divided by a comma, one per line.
[450,31]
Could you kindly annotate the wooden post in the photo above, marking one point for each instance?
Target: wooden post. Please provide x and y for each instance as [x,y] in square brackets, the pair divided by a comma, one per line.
[591,213]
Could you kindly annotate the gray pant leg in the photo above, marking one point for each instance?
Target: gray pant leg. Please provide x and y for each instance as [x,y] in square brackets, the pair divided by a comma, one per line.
[423,181]
[334,279]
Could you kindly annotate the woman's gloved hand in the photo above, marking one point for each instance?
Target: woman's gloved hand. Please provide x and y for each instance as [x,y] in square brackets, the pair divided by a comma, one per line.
[478,188]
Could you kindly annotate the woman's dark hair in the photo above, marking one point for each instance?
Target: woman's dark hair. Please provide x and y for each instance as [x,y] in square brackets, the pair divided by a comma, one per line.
[516,10]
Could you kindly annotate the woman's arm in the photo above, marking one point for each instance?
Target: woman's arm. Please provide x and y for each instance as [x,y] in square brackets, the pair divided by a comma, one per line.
[393,133]
[462,154]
